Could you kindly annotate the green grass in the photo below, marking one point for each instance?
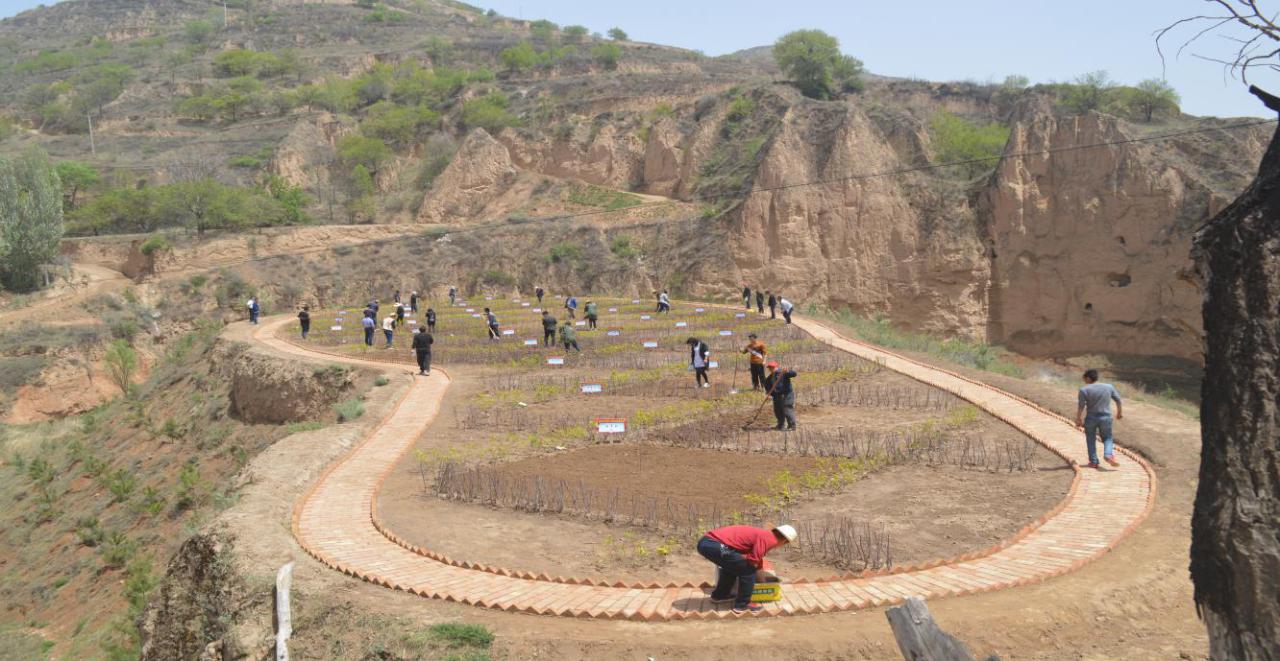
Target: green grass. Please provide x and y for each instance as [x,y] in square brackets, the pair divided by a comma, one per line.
[880,331]
[349,410]
[595,196]
[460,635]
[299,427]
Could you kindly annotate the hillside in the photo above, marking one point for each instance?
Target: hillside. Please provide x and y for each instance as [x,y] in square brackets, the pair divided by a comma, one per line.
[435,112]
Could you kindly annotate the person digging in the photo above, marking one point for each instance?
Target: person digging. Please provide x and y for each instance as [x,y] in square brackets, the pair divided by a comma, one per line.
[778,384]
[739,553]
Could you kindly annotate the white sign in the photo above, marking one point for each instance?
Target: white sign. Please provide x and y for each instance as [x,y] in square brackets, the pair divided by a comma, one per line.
[341,312]
[555,361]
[488,298]
[413,322]
[477,315]
[524,305]
[681,324]
[613,309]
[537,309]
[335,328]
[635,301]
[509,331]
[712,364]
[741,315]
[611,426]
[592,387]
[471,309]
[645,317]
[579,323]
[614,333]
[651,345]
[699,310]
[726,332]
[531,343]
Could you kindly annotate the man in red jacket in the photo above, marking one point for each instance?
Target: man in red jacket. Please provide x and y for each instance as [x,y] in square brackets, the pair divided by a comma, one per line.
[739,553]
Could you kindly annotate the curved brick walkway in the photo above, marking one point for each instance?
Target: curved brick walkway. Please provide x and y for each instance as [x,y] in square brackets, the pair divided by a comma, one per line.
[335,521]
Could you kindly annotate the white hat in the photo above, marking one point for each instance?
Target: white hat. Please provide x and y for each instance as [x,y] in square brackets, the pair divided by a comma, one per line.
[786,531]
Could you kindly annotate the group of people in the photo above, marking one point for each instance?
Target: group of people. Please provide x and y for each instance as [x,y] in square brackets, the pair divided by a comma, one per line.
[775,301]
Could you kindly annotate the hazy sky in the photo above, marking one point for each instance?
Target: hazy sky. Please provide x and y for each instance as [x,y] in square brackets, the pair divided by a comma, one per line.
[1046,40]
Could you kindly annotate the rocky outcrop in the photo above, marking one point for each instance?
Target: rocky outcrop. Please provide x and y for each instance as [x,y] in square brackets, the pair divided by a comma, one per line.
[856,243]
[267,389]
[308,144]
[1089,247]
[480,172]
[1235,544]
[599,152]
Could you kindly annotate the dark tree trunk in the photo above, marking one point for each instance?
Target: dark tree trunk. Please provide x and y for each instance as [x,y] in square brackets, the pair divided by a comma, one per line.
[1235,545]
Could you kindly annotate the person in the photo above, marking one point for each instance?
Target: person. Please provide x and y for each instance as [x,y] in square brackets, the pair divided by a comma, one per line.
[698,353]
[253,309]
[548,329]
[664,302]
[773,305]
[453,295]
[368,324]
[757,353]
[592,313]
[537,291]
[492,320]
[399,314]
[304,320]
[431,319]
[413,302]
[746,296]
[657,297]
[373,305]
[1093,415]
[569,336]
[397,296]
[389,328]
[368,312]
[422,342]
[778,385]
[739,553]
[786,306]
[759,302]
[570,306]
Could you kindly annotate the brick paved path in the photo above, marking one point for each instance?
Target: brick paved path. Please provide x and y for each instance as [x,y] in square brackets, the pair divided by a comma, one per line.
[335,521]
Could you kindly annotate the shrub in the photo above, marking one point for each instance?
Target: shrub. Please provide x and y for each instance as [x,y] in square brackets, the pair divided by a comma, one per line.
[121,362]
[89,531]
[154,243]
[461,635]
[192,490]
[956,139]
[740,108]
[381,381]
[117,549]
[487,112]
[520,57]
[564,252]
[1090,92]
[30,218]
[120,484]
[606,55]
[349,410]
[623,248]
[362,150]
[617,34]
[574,33]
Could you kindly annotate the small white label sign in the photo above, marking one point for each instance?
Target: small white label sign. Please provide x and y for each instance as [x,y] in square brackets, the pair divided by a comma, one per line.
[699,310]
[611,426]
[524,305]
[335,328]
[531,343]
[741,315]
[681,324]
[579,323]
[712,364]
[413,322]
[537,309]
[651,345]
[509,331]
[613,309]
[471,309]
[635,301]
[613,333]
[555,361]
[592,387]
[726,332]
[645,317]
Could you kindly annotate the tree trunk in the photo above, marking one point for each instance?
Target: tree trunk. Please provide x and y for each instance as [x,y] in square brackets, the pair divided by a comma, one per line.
[1235,545]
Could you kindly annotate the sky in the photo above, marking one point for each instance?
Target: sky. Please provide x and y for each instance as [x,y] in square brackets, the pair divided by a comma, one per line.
[980,40]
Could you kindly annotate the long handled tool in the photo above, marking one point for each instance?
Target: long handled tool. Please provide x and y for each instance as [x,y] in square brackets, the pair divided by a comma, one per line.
[767,397]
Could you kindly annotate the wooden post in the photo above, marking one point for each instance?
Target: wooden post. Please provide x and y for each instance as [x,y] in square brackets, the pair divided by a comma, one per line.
[283,619]
[919,637]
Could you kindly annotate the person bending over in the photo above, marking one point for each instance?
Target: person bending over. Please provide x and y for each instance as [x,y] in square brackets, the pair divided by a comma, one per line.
[739,553]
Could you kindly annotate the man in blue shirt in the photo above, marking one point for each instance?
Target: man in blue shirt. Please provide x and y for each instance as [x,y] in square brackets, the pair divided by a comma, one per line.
[1093,415]
[368,324]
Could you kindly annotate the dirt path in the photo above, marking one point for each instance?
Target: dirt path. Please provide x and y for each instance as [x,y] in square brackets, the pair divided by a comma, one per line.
[335,523]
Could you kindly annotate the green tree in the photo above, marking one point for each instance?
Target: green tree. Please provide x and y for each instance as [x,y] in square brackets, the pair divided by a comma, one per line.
[75,176]
[813,62]
[520,57]
[121,362]
[1089,92]
[543,32]
[356,149]
[30,218]
[204,204]
[1155,96]
[574,34]
[606,54]
[199,32]
[617,34]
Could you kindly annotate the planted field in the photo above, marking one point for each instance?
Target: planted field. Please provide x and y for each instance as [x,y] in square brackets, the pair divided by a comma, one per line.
[520,470]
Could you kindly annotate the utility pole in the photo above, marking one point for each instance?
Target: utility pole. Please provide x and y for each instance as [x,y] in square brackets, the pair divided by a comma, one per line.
[92,147]
[224,14]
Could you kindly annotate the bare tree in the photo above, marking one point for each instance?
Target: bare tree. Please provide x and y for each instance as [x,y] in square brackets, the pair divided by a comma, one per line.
[1256,35]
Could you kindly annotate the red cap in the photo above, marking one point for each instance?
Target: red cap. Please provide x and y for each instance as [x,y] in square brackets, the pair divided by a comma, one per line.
[772,365]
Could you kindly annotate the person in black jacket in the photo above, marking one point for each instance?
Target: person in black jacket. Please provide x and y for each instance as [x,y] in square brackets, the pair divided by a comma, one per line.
[422,342]
[304,319]
[548,329]
[759,301]
[413,302]
[492,320]
[773,305]
[399,314]
[746,296]
[778,384]
[698,359]
[431,319]
[539,292]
